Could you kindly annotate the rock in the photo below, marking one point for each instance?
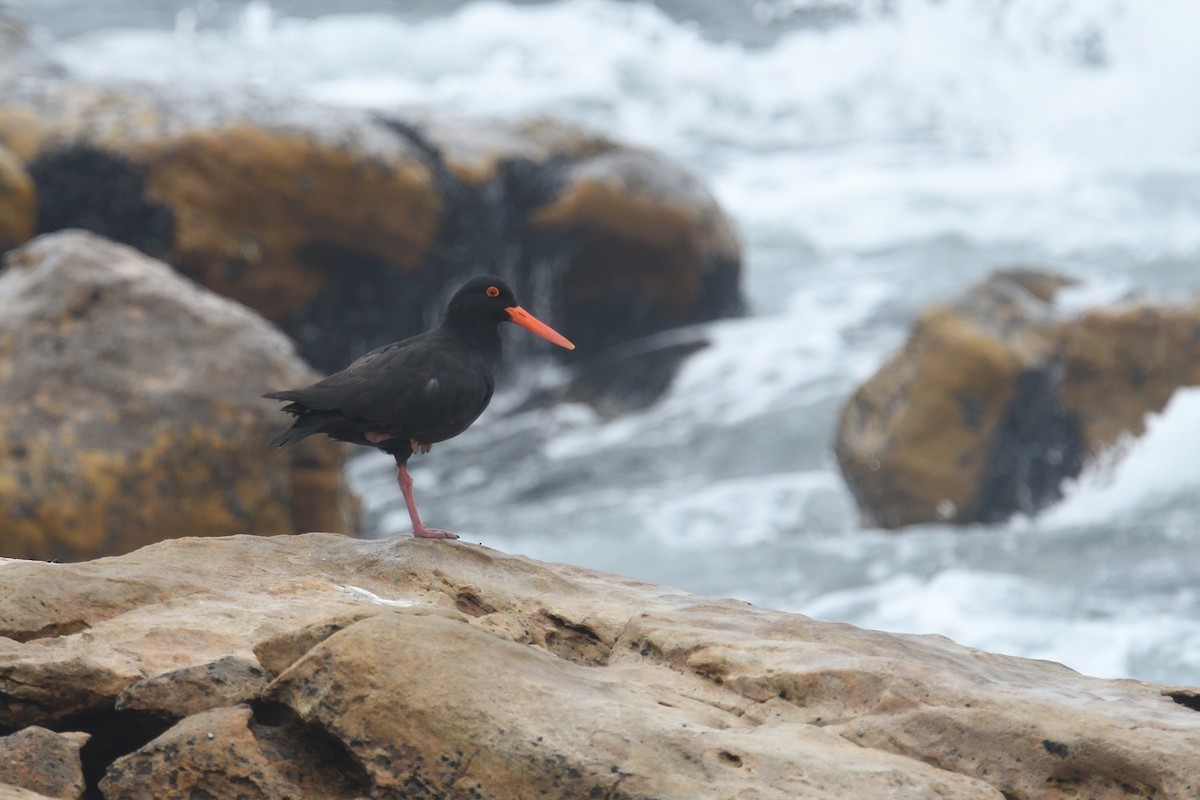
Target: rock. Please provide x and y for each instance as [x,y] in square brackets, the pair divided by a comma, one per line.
[43,761]
[483,728]
[998,398]
[406,668]
[211,754]
[350,230]
[963,424]
[227,681]
[16,202]
[130,409]
[640,229]
[1125,362]
[10,792]
[227,752]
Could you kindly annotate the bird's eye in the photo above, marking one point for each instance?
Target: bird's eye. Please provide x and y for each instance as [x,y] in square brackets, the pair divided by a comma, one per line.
[492,291]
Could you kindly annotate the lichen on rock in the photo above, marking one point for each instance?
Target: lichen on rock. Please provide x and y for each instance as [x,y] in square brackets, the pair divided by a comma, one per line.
[130,410]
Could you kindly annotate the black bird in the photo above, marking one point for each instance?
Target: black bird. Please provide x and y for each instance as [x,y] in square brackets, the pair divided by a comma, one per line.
[404,397]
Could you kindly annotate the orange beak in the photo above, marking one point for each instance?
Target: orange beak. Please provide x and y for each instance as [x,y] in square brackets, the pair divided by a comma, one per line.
[532,323]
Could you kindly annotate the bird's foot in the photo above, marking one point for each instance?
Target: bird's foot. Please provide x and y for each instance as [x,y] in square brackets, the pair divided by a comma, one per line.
[375,438]
[421,532]
[419,447]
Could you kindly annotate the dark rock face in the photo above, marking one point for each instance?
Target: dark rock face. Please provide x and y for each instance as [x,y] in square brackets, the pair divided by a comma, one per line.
[1037,446]
[998,398]
[350,230]
[130,409]
[96,190]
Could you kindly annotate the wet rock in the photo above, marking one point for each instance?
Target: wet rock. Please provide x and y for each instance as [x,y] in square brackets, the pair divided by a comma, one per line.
[1125,362]
[129,409]
[916,441]
[350,230]
[435,670]
[998,398]
[43,761]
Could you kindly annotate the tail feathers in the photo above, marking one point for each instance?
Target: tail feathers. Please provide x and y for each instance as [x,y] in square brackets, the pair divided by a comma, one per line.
[300,428]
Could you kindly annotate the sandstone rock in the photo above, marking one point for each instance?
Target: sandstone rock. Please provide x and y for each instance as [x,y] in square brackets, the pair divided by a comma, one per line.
[487,726]
[130,409]
[227,681]
[212,754]
[998,398]
[421,669]
[43,761]
[10,792]
[350,230]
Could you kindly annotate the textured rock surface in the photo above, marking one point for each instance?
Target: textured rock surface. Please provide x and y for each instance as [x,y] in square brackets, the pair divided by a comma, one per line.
[405,668]
[350,230]
[10,792]
[191,690]
[43,761]
[219,753]
[998,397]
[129,409]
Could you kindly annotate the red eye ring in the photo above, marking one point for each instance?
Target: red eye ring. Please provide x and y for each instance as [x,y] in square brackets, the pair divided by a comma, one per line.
[492,291]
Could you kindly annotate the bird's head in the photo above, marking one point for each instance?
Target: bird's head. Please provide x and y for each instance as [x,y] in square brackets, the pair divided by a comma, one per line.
[490,297]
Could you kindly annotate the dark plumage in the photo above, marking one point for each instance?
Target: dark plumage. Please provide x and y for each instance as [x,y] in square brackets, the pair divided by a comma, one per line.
[404,397]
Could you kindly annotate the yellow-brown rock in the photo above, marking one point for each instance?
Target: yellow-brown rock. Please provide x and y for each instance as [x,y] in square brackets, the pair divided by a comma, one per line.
[1125,362]
[129,409]
[316,219]
[638,227]
[962,424]
[258,212]
[17,204]
[998,398]
[348,229]
[410,668]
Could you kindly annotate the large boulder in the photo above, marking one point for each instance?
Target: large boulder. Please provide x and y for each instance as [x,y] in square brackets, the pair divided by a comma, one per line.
[349,229]
[999,397]
[130,409]
[409,668]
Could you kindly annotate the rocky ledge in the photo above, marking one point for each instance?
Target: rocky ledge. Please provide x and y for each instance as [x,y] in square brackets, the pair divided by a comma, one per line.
[324,666]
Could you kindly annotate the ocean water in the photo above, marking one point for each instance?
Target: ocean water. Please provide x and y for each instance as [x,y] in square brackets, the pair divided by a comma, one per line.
[877,156]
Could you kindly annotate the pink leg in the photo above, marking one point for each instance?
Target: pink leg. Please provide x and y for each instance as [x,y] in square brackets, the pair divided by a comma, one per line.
[419,529]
